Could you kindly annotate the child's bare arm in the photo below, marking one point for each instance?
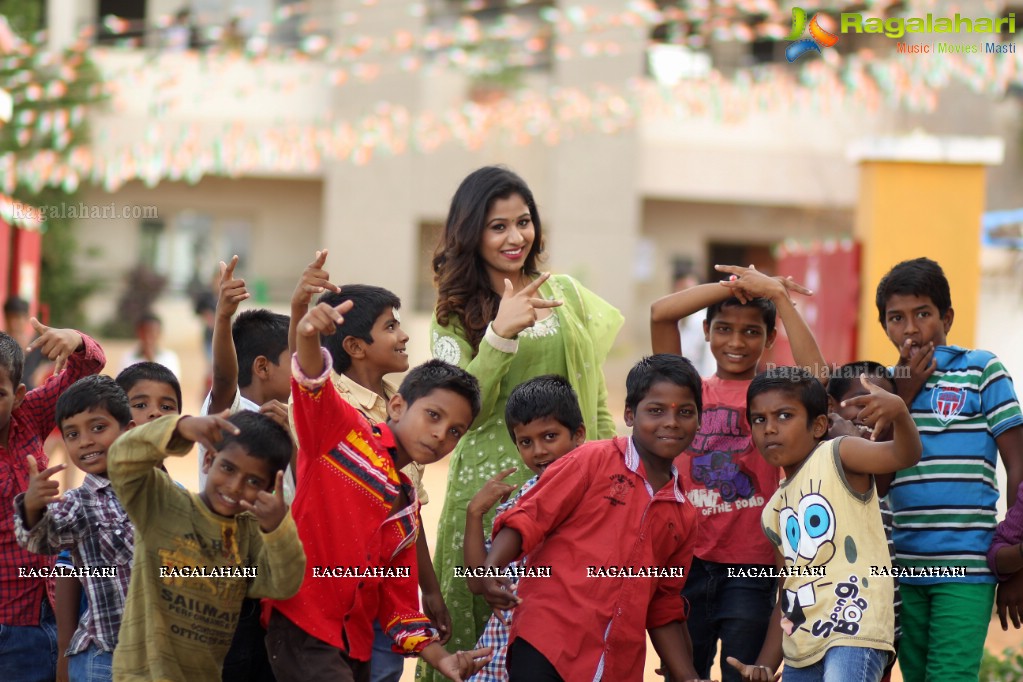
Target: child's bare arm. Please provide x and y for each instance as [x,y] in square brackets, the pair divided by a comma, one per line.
[754,284]
[69,596]
[225,359]
[670,642]
[506,547]
[879,409]
[666,312]
[474,549]
[314,280]
[1010,447]
[321,319]
[457,666]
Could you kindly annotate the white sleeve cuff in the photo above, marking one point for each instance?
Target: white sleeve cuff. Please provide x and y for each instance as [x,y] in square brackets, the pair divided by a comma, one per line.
[499,342]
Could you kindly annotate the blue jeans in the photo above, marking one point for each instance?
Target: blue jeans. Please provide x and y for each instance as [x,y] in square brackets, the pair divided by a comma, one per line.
[91,665]
[29,653]
[385,665]
[734,610]
[841,664]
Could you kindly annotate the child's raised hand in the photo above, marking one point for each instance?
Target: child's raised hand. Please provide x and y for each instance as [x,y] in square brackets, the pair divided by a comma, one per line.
[518,310]
[749,283]
[277,411]
[41,490]
[492,491]
[754,673]
[269,508]
[55,344]
[314,280]
[879,408]
[206,431]
[464,664]
[232,291]
[323,319]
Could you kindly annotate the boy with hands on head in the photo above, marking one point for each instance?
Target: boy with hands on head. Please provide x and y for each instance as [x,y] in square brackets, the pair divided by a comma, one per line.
[197,556]
[723,474]
[26,418]
[834,612]
[370,523]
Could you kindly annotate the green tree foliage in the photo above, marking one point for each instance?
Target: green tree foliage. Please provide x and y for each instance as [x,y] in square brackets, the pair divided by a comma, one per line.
[52,94]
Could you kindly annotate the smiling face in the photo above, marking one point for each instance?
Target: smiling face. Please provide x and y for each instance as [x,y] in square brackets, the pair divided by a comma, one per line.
[916,320]
[233,475]
[544,440]
[664,421]
[387,352]
[151,400]
[87,437]
[738,338]
[508,237]
[428,429]
[778,421]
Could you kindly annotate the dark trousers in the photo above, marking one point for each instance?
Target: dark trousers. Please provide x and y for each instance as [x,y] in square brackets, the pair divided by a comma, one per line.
[246,660]
[526,664]
[297,656]
[734,610]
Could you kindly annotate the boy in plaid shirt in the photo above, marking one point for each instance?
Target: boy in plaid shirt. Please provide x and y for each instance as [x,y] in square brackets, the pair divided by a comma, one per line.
[88,520]
[545,422]
[26,418]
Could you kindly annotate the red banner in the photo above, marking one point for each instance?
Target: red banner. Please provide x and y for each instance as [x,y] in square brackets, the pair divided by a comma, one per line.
[832,271]
[24,277]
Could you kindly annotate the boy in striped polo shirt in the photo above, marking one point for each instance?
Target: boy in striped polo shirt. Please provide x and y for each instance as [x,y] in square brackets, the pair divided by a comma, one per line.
[965,407]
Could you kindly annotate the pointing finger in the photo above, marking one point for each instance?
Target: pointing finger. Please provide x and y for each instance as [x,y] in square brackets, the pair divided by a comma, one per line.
[343,308]
[544,303]
[505,474]
[535,284]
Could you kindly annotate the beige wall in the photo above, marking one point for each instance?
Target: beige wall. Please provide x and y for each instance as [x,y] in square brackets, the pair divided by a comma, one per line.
[285,218]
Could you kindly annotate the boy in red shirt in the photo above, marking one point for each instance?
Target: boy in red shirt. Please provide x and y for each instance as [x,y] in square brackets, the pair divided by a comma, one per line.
[613,525]
[358,517]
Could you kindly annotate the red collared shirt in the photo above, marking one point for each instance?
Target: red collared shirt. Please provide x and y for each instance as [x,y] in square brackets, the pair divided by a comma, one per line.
[21,598]
[594,513]
[345,489]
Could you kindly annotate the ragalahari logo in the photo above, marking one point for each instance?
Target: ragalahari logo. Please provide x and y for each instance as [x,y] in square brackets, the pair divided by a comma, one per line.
[818,36]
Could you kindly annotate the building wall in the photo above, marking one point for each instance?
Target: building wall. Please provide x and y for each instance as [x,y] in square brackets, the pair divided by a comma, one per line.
[284,218]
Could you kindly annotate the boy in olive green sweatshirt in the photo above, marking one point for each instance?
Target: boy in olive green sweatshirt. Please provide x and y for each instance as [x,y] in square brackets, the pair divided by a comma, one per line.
[198,555]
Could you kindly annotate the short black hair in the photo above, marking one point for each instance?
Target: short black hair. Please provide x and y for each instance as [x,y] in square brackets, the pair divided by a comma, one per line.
[662,367]
[765,305]
[12,358]
[844,377]
[149,371]
[547,395]
[794,381]
[368,304]
[258,332]
[92,392]
[916,277]
[15,305]
[435,374]
[148,316]
[262,438]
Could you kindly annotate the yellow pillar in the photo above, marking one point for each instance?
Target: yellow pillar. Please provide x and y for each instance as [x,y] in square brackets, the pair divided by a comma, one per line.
[921,196]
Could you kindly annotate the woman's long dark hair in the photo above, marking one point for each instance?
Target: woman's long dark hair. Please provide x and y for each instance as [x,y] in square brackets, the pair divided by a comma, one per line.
[463,285]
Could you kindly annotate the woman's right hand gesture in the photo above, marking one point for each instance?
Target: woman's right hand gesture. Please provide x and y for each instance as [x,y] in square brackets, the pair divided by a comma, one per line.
[519,310]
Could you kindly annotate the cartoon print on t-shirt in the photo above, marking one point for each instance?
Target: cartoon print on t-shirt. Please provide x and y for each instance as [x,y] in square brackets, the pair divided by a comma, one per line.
[714,454]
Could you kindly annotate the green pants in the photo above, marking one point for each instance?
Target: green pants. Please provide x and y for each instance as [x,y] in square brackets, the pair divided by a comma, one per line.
[943,630]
